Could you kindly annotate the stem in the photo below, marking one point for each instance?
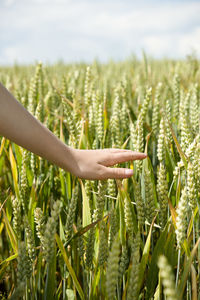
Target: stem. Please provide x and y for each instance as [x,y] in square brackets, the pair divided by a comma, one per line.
[152,240]
[178,266]
[100,282]
[193,234]
[118,292]
[154,154]
[64,282]
[143,235]
[187,291]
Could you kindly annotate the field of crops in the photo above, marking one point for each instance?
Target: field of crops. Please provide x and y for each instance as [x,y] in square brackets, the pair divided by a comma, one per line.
[138,238]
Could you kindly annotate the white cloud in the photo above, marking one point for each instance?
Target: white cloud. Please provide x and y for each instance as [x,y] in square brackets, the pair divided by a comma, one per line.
[190,41]
[10,53]
[158,45]
[9,2]
[85,29]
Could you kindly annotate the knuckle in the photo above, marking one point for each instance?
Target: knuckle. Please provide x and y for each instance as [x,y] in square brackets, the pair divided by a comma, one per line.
[118,172]
[102,173]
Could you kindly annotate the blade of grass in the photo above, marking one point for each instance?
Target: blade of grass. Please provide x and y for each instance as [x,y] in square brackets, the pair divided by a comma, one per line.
[10,232]
[50,279]
[192,221]
[173,212]
[194,283]
[153,269]
[182,284]
[145,256]
[85,206]
[84,230]
[180,151]
[70,269]
[9,258]
[2,145]
[4,202]
[14,171]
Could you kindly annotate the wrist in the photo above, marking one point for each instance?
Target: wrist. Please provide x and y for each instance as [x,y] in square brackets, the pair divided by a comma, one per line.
[70,160]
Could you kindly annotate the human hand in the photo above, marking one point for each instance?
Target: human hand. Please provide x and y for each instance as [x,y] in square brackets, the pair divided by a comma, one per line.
[94,164]
[18,125]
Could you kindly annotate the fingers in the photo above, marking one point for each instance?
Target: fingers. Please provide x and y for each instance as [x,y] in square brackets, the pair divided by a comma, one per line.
[123,156]
[116,173]
[118,150]
[94,164]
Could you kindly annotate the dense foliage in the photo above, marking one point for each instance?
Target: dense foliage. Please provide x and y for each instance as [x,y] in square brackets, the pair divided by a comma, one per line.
[66,238]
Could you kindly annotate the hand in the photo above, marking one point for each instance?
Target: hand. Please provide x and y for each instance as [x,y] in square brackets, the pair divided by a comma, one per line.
[18,125]
[94,164]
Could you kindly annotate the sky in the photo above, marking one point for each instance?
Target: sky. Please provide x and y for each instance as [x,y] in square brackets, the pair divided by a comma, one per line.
[84,30]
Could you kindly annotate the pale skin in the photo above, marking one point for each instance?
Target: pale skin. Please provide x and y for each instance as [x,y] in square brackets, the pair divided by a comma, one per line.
[19,126]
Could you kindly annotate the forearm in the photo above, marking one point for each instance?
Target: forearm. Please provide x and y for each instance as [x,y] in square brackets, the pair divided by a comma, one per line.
[18,125]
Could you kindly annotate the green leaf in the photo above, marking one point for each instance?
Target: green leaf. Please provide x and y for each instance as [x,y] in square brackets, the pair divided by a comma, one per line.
[2,224]
[145,256]
[61,230]
[85,207]
[173,212]
[84,230]
[9,208]
[69,184]
[192,221]
[169,252]
[9,258]
[62,182]
[18,153]
[38,275]
[153,180]
[122,218]
[70,269]
[82,144]
[178,189]
[194,282]
[10,232]
[147,142]
[182,154]
[14,171]
[2,145]
[51,278]
[186,247]
[153,269]
[95,283]
[125,143]
[183,280]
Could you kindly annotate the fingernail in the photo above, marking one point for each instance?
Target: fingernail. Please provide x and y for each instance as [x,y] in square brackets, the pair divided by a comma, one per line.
[128,172]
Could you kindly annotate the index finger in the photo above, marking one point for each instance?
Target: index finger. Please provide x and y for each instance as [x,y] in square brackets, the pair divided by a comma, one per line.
[122,157]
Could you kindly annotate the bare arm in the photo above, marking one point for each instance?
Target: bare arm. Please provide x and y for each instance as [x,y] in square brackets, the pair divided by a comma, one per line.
[18,125]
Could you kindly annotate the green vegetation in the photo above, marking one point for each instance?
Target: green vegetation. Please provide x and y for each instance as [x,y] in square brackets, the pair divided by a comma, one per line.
[66,238]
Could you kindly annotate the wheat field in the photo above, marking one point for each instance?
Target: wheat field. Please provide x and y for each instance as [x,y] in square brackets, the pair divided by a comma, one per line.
[66,238]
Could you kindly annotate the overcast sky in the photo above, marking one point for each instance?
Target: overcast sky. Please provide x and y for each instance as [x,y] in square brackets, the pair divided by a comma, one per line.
[75,30]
